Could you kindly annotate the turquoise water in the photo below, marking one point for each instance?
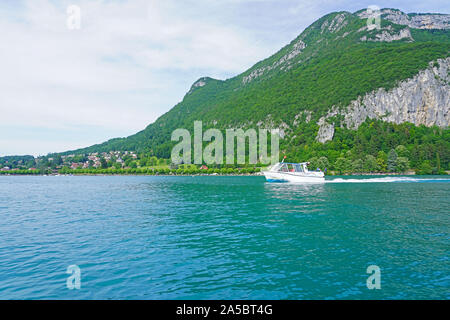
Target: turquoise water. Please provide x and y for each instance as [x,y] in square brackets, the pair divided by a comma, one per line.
[223,238]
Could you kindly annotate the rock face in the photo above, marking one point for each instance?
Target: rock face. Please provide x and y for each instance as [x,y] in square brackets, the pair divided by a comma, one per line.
[388,35]
[283,62]
[336,24]
[418,21]
[423,99]
[326,130]
[302,116]
[199,83]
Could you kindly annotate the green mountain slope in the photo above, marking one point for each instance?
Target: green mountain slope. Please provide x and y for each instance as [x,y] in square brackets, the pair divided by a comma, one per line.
[333,62]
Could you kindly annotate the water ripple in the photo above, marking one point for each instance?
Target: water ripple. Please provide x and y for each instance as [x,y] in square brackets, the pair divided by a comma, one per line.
[223,237]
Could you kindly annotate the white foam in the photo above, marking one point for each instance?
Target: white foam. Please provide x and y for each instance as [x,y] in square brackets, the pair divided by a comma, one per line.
[387,179]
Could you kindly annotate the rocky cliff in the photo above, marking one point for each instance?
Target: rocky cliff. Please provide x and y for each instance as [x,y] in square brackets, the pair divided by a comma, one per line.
[412,20]
[423,99]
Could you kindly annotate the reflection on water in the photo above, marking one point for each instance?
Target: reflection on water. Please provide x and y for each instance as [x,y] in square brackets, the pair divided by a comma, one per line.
[293,191]
[221,238]
[295,198]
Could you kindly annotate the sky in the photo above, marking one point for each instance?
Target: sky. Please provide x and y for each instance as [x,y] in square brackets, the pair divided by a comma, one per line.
[64,87]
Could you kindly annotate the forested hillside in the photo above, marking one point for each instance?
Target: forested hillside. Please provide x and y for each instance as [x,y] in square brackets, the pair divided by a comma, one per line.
[335,61]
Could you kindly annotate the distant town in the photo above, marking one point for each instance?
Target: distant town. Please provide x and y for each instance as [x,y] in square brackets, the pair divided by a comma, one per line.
[113,162]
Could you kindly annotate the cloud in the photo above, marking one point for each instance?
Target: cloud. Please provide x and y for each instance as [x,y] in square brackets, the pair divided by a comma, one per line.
[130,62]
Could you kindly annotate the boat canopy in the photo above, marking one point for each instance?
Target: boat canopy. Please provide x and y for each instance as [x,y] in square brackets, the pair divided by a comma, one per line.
[290,167]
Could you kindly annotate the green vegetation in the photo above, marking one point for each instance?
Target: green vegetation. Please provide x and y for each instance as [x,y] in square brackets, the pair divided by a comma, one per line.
[161,171]
[21,172]
[17,162]
[332,70]
[377,146]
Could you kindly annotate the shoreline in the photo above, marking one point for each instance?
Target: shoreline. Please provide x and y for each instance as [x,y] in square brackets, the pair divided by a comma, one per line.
[214,175]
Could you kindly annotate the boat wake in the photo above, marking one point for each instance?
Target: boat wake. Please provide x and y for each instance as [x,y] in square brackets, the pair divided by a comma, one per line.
[387,179]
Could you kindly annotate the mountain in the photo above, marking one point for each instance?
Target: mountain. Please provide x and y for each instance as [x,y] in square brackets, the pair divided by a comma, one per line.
[338,76]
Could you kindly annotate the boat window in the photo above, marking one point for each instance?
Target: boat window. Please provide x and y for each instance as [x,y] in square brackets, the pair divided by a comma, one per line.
[276,167]
[290,167]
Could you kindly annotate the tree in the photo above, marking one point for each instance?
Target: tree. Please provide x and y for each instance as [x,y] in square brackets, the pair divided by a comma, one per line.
[144,162]
[322,163]
[425,168]
[370,164]
[30,163]
[392,161]
[349,155]
[342,165]
[152,161]
[402,151]
[438,162]
[58,160]
[357,166]
[103,163]
[402,164]
[313,163]
[382,161]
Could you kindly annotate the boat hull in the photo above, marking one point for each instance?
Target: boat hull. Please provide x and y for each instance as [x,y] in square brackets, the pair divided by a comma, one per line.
[292,177]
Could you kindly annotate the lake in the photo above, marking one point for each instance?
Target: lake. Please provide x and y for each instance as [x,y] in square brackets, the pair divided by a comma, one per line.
[147,237]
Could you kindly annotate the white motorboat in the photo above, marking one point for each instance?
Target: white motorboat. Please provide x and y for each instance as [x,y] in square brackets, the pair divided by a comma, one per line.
[293,172]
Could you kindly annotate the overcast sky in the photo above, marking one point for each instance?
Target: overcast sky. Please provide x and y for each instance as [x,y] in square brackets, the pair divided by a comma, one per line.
[132,61]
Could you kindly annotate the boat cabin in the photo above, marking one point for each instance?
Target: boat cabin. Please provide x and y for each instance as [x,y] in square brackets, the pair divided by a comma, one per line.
[290,167]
